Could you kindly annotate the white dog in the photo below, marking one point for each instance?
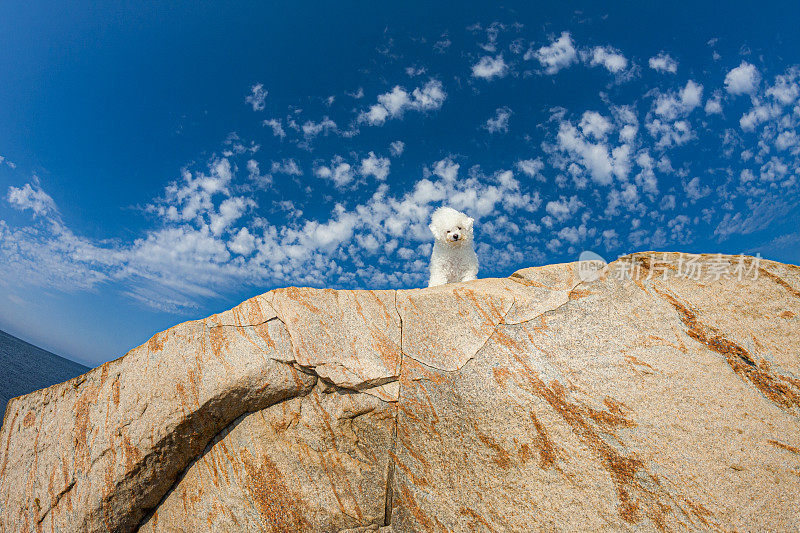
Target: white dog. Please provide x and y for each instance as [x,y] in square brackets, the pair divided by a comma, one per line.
[453,258]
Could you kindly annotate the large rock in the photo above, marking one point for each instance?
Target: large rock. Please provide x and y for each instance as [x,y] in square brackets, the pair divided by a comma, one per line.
[661,392]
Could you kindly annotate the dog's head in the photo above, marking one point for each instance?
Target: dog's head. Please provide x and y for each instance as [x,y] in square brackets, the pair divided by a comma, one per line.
[451,226]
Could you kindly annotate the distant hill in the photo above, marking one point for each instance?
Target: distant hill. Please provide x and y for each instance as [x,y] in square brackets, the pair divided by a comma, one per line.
[25,368]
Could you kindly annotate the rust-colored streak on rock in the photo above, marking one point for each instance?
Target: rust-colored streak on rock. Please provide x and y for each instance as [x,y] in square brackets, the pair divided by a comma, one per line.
[279,508]
[787,314]
[590,426]
[782,390]
[82,425]
[407,499]
[501,456]
[416,479]
[501,375]
[780,281]
[156,342]
[302,297]
[115,392]
[487,309]
[547,450]
[577,294]
[220,343]
[784,446]
[476,519]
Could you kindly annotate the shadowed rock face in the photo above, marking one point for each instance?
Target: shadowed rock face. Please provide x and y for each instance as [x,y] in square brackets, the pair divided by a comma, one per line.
[661,394]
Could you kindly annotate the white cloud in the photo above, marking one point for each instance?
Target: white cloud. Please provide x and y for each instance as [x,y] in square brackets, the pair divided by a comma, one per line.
[31,197]
[670,106]
[230,210]
[243,243]
[786,89]
[610,239]
[786,139]
[694,191]
[490,67]
[287,166]
[668,135]
[311,129]
[564,208]
[257,97]
[192,199]
[255,175]
[532,168]
[663,63]
[395,103]
[575,234]
[742,79]
[443,44]
[759,114]
[593,124]
[559,54]
[714,106]
[499,123]
[375,166]
[396,148]
[601,161]
[277,127]
[608,57]
[339,172]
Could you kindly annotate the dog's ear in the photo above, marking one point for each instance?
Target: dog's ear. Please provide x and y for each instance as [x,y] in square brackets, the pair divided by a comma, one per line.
[434,230]
[469,223]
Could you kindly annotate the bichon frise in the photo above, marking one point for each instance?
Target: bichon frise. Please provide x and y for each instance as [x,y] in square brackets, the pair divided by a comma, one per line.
[453,258]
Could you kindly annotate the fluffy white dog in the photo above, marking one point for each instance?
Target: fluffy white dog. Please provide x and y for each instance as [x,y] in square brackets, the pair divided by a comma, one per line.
[453,258]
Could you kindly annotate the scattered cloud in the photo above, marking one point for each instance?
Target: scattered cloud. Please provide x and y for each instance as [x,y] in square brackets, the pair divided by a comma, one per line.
[287,166]
[490,67]
[396,148]
[695,191]
[557,55]
[32,197]
[743,79]
[312,129]
[395,103]
[532,168]
[277,127]
[499,123]
[663,62]
[670,106]
[338,171]
[609,58]
[257,97]
[375,166]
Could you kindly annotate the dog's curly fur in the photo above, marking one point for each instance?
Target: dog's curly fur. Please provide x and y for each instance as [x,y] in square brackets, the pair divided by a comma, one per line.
[453,258]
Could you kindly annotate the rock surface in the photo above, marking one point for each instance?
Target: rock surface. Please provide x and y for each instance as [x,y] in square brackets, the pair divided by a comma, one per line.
[661,392]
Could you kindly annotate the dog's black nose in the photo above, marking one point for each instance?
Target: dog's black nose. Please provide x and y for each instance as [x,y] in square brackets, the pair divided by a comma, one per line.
[455,237]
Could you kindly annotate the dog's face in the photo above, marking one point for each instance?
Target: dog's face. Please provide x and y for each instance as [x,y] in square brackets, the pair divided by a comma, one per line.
[451,226]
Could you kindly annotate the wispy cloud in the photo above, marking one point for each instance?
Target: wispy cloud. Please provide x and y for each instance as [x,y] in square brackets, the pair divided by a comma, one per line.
[395,103]
[257,97]
[489,67]
[498,123]
[557,55]
[663,62]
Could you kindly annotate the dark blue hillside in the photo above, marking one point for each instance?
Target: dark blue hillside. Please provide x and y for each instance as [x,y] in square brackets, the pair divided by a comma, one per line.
[25,368]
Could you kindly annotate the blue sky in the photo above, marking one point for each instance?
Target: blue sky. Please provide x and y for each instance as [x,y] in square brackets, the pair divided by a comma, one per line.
[164,161]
